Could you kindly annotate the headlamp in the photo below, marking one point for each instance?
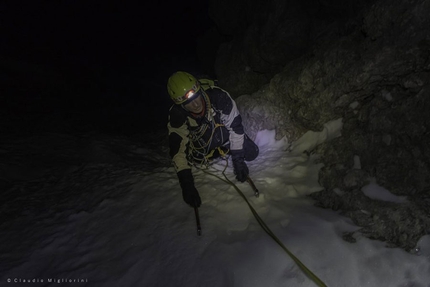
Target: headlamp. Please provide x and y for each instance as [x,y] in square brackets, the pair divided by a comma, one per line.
[189,94]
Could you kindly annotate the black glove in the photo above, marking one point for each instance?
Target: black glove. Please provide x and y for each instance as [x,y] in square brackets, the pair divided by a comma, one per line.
[189,191]
[240,168]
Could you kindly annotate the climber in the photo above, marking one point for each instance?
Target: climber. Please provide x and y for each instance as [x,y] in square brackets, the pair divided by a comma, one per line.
[204,123]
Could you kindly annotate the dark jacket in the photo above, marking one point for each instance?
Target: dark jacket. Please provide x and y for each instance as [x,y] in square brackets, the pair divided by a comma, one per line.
[191,137]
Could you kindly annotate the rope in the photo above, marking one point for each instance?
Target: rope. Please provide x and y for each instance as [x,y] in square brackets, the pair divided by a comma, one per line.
[203,149]
[303,267]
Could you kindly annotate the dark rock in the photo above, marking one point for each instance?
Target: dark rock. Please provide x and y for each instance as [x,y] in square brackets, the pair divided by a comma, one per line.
[268,34]
[375,75]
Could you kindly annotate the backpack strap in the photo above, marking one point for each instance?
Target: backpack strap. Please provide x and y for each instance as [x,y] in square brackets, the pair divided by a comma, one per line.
[208,83]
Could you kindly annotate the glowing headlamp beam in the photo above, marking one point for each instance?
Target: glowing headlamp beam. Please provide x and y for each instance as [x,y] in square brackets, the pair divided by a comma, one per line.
[189,94]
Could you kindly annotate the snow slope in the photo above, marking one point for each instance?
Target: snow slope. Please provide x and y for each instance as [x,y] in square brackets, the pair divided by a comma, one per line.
[139,232]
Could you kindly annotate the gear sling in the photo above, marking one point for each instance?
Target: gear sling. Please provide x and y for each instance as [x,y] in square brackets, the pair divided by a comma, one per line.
[208,138]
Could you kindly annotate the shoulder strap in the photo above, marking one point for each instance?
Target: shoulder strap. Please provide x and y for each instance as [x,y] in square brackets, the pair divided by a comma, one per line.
[208,83]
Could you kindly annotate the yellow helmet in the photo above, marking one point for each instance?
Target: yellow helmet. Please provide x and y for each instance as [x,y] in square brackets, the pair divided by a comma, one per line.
[182,87]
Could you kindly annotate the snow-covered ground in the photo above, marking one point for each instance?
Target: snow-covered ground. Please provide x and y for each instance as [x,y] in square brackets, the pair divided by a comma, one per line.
[110,213]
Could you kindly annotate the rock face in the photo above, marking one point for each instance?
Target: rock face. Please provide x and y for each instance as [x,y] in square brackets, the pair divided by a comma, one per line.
[268,34]
[375,75]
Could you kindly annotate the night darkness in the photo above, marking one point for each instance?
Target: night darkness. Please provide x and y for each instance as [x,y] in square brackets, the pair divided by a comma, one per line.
[335,94]
[106,63]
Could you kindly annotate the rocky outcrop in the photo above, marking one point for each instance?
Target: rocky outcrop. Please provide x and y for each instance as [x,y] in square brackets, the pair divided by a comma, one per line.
[377,78]
[267,35]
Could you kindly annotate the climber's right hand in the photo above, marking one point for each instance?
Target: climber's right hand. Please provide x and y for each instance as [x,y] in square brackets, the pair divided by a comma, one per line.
[189,192]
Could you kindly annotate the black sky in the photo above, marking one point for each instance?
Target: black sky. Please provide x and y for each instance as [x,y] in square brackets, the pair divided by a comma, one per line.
[140,37]
[114,56]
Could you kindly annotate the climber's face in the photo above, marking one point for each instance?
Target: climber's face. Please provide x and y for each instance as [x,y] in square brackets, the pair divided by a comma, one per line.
[196,105]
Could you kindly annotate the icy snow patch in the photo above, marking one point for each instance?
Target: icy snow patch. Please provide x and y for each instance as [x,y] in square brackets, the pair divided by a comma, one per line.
[311,139]
[423,246]
[376,191]
[267,138]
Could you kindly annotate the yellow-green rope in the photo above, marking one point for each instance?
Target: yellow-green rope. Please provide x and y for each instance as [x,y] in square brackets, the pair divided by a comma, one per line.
[303,267]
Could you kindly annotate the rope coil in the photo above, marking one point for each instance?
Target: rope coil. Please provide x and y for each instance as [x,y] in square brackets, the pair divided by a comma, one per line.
[202,152]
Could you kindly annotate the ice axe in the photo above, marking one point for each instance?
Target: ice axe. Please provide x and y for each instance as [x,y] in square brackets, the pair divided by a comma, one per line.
[199,228]
[251,183]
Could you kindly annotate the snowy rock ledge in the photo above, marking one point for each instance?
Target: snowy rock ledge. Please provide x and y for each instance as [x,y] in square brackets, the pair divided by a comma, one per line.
[376,77]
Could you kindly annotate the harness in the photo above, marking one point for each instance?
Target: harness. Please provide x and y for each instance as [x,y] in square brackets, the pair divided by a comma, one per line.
[200,148]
